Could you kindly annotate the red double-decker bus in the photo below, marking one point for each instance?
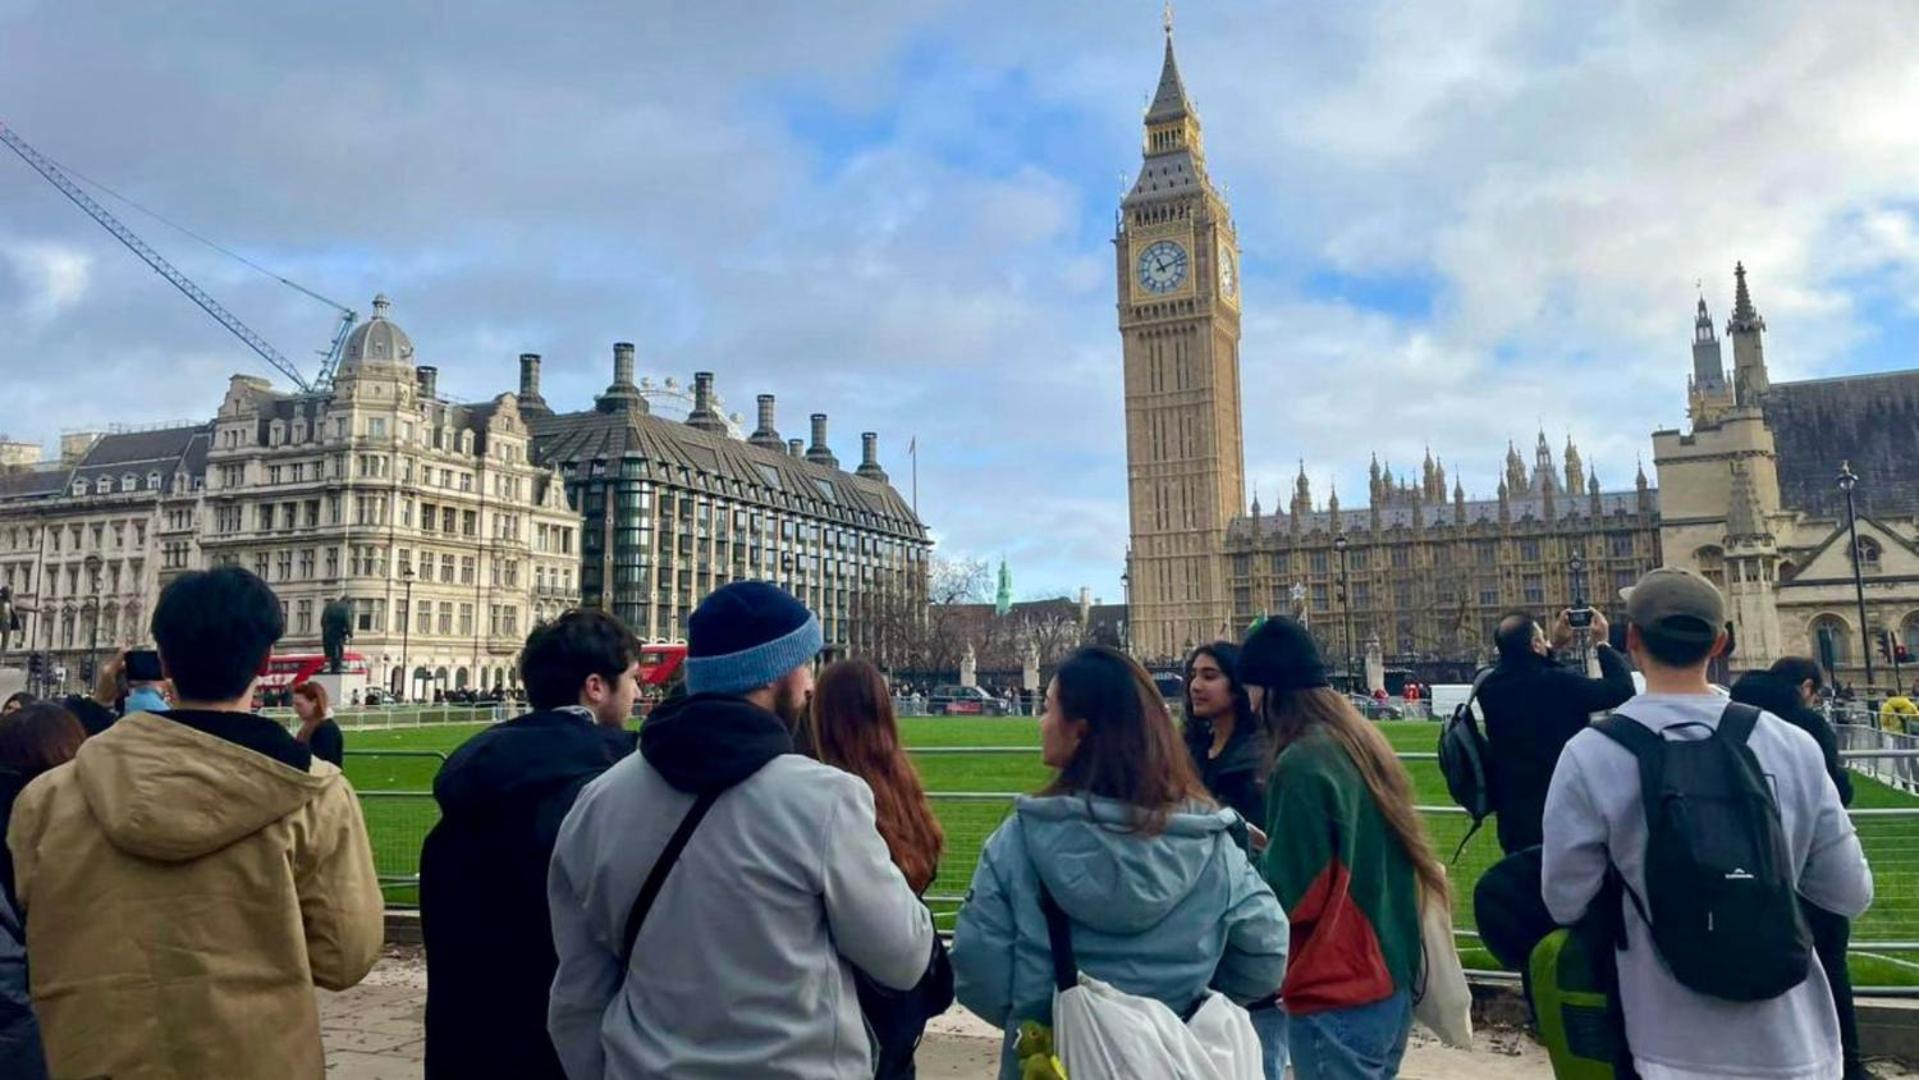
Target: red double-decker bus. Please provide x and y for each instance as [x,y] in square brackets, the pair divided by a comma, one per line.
[660,661]
[284,671]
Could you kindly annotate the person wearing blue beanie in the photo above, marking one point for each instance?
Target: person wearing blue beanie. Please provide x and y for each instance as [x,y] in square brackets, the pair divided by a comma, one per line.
[713,894]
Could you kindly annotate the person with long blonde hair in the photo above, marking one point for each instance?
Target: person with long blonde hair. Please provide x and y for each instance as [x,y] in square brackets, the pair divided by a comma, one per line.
[1349,858]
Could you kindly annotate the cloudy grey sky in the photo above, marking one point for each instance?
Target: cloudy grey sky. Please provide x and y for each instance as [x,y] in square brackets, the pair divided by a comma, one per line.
[1461,221]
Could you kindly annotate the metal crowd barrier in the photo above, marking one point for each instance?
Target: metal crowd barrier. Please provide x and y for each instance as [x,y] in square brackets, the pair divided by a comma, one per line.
[1888,934]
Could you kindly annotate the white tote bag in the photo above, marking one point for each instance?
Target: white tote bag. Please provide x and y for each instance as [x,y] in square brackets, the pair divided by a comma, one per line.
[1105,1034]
[1102,1033]
[1446,1006]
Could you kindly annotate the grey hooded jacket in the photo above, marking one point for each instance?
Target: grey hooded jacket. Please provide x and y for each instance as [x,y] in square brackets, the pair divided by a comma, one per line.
[744,965]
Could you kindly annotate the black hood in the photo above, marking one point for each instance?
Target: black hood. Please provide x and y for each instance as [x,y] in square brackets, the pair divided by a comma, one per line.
[709,742]
[524,759]
[1245,751]
[1769,692]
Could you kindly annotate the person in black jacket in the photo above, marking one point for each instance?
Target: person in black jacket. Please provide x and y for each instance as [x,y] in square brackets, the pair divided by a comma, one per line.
[318,731]
[1788,691]
[1533,707]
[1225,741]
[483,870]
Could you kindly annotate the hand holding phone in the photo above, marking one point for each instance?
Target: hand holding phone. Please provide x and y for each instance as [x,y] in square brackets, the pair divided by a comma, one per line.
[143,665]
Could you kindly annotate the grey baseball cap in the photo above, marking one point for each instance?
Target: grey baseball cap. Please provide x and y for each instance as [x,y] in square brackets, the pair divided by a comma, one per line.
[1677,605]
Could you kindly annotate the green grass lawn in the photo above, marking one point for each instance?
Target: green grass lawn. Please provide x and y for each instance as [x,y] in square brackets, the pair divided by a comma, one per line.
[399,822]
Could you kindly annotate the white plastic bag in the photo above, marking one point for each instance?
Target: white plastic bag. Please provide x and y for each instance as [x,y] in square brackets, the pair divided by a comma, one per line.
[1101,1033]
[1446,1008]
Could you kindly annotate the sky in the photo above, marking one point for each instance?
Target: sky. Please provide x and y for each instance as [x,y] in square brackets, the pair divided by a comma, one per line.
[1462,223]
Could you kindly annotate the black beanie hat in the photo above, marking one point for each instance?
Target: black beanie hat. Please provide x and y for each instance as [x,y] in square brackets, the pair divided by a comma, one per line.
[1281,655]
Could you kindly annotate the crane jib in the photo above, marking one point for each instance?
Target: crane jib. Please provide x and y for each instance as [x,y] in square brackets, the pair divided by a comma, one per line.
[59,179]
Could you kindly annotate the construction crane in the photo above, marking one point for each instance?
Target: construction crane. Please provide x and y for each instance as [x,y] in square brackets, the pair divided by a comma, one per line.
[72,190]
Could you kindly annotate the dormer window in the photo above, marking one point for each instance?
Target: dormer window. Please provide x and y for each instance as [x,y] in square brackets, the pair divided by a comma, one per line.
[79,487]
[153,480]
[102,486]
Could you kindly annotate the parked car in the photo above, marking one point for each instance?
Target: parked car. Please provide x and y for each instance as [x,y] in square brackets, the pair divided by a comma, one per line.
[964,701]
[1373,709]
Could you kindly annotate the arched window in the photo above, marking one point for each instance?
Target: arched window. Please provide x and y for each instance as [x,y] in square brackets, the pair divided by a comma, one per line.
[1711,562]
[153,480]
[1909,633]
[1831,641]
[1788,570]
[459,679]
[1868,555]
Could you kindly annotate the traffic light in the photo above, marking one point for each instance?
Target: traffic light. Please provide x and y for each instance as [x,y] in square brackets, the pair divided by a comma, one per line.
[1885,645]
[36,666]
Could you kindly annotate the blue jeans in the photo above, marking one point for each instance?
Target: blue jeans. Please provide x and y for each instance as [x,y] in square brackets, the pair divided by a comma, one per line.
[1270,1025]
[1362,1043]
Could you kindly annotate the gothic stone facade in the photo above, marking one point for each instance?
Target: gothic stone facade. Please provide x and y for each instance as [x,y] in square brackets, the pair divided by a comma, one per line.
[1178,291]
[1751,499]
[1430,577]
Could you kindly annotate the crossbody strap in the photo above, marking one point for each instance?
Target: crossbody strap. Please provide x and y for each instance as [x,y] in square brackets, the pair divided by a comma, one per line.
[1059,937]
[656,878]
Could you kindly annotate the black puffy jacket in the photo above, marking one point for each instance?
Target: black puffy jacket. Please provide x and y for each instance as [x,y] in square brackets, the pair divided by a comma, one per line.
[1764,690]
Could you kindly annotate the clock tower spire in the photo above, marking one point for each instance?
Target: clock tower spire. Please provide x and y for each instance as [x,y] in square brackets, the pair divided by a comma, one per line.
[1178,307]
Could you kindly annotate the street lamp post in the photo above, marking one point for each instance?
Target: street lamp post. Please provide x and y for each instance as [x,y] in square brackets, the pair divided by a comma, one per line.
[1341,544]
[92,563]
[1576,584]
[1848,481]
[406,635]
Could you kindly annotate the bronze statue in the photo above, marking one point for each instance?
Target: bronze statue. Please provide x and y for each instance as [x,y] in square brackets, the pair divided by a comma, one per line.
[336,629]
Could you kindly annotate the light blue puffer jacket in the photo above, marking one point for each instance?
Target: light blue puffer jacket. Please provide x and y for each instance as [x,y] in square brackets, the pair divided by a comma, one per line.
[1162,916]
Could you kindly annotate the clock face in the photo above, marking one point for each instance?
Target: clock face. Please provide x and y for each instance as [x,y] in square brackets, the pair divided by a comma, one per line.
[1228,273]
[1162,267]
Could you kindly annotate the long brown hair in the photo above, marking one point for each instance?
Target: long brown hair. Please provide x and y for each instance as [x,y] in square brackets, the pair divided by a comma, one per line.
[38,737]
[1290,714]
[315,693]
[1130,751]
[852,727]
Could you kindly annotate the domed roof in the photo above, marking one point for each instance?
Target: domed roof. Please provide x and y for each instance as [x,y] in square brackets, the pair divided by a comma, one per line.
[378,340]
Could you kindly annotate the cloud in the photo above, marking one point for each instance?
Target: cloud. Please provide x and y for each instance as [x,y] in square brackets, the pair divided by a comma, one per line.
[1461,223]
[48,279]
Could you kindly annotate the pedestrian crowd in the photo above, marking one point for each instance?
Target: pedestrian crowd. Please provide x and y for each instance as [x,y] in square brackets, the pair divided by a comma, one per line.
[738,888]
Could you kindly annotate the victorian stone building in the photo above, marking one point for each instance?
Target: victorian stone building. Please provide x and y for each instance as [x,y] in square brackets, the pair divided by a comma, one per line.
[87,541]
[1753,499]
[428,517]
[675,508]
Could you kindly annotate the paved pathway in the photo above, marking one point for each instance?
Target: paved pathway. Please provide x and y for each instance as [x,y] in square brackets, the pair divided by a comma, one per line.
[373,1032]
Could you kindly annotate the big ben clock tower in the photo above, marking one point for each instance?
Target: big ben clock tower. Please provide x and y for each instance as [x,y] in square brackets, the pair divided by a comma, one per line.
[1179,324]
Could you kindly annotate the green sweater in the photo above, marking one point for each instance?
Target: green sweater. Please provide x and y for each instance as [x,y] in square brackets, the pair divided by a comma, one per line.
[1344,879]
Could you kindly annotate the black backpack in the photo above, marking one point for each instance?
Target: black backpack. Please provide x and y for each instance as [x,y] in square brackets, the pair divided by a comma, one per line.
[1720,898]
[1462,760]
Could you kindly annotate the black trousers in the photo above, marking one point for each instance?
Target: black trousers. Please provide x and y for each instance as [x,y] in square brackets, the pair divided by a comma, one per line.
[1830,935]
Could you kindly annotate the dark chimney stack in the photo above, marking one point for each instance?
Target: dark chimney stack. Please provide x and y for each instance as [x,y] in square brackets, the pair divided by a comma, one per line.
[767,435]
[870,458]
[622,394]
[704,416]
[530,398]
[819,453]
[428,379]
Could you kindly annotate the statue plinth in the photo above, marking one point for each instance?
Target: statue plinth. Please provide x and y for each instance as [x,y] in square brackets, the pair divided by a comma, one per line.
[340,688]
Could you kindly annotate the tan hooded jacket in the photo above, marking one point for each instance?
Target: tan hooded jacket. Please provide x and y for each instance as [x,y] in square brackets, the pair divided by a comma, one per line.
[183,895]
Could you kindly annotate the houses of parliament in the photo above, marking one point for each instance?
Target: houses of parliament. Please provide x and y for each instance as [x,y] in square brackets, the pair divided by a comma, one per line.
[1425,571]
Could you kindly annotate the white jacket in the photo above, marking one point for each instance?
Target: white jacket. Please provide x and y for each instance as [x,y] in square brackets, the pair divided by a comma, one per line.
[742,967]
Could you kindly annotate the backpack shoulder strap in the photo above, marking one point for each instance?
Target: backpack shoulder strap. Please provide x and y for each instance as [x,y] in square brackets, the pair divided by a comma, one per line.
[1059,936]
[656,878]
[1737,722]
[1631,734]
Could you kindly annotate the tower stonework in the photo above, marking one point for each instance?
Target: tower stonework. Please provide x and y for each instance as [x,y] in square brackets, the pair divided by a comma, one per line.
[1178,306]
